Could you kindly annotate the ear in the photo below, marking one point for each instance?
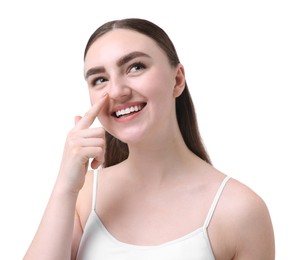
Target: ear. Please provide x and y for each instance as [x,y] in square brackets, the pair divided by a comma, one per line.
[179,81]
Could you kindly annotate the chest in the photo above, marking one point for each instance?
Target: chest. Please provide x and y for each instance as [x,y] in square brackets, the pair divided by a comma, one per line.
[98,243]
[152,219]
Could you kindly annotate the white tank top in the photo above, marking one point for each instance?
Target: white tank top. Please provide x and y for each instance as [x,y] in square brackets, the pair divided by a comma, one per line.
[98,244]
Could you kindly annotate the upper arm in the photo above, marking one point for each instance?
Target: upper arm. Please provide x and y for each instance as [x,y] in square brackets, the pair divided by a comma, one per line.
[254,237]
[241,227]
[76,237]
[83,209]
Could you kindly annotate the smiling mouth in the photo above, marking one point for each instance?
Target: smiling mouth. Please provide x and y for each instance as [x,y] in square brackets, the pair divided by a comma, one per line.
[129,110]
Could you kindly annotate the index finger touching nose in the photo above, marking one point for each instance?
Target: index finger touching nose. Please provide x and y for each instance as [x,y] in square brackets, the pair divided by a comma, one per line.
[92,113]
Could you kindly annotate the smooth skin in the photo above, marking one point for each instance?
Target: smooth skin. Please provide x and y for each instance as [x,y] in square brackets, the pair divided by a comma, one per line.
[162,184]
[54,236]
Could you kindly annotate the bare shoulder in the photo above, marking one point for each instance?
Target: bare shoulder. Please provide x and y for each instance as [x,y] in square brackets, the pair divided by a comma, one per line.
[84,201]
[246,221]
[246,203]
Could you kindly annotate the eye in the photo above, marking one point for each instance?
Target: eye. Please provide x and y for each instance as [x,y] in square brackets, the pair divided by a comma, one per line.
[136,67]
[98,81]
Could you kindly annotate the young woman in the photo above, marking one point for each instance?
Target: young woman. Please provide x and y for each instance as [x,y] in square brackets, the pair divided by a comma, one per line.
[156,195]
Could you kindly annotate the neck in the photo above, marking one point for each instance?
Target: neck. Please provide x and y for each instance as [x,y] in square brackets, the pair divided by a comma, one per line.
[153,163]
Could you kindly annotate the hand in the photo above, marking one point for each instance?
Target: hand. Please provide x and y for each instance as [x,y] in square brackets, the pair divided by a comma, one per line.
[82,144]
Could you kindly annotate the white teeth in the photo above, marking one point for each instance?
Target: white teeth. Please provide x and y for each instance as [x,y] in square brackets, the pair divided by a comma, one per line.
[128,110]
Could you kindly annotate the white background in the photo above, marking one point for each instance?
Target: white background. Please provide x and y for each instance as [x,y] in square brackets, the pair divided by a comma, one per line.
[241,64]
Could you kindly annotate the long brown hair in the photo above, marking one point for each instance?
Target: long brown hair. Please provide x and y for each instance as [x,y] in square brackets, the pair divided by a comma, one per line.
[116,150]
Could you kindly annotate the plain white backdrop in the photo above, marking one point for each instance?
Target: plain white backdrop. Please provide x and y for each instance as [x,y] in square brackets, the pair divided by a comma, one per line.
[241,62]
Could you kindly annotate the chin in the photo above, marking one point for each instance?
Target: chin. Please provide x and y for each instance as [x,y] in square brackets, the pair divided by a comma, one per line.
[132,134]
[132,140]
[130,137]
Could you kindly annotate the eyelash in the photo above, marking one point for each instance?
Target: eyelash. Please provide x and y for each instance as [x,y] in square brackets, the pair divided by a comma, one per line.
[93,82]
[140,66]
[137,64]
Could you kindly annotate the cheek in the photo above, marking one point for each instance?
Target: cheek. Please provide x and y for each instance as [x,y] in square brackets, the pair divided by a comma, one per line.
[92,100]
[161,88]
[94,96]
[95,93]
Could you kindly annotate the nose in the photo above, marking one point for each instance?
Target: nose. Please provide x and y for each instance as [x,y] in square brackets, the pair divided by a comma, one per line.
[119,89]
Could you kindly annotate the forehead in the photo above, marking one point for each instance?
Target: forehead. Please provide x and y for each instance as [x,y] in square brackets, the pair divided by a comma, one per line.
[119,42]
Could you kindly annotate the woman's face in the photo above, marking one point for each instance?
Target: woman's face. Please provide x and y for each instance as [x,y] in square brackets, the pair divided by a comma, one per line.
[140,82]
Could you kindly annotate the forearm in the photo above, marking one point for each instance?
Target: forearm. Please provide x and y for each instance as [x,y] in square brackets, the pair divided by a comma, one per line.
[53,238]
[54,235]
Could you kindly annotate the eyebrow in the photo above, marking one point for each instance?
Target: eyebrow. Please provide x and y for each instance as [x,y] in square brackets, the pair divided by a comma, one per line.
[120,62]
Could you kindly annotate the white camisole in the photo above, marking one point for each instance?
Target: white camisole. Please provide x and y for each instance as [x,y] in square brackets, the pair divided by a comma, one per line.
[98,244]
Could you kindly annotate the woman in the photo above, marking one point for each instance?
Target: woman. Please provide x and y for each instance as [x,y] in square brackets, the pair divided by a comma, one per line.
[156,196]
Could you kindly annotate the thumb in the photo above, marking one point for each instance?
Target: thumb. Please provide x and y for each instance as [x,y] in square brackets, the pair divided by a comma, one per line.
[77,119]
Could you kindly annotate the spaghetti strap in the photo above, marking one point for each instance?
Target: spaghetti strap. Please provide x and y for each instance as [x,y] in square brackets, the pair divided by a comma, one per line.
[95,176]
[215,201]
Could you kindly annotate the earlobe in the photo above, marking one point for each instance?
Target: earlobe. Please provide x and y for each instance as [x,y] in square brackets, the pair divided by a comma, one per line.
[179,81]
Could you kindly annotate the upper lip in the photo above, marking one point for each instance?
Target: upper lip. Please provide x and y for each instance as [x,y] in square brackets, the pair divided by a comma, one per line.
[127,105]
